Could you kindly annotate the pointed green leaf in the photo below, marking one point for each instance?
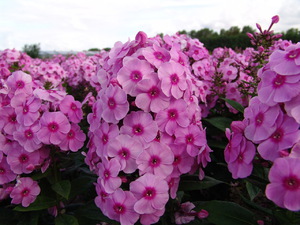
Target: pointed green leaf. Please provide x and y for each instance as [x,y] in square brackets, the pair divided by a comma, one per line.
[234,104]
[65,219]
[219,122]
[191,185]
[62,188]
[252,190]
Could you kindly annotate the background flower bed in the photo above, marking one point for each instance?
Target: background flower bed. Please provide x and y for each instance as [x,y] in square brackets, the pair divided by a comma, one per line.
[154,114]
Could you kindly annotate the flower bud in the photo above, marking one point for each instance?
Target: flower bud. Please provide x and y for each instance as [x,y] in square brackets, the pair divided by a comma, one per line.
[202,214]
[275,19]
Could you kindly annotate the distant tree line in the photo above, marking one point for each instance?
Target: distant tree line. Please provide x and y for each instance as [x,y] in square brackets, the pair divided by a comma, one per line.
[234,37]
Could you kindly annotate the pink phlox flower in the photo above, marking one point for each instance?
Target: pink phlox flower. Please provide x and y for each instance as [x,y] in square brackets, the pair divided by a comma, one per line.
[94,117]
[150,97]
[8,120]
[151,218]
[295,152]
[133,71]
[71,108]
[54,128]
[21,161]
[120,207]
[182,216]
[7,142]
[203,159]
[25,191]
[156,55]
[173,182]
[126,150]
[103,136]
[27,137]
[179,57]
[101,198]
[151,192]
[108,171]
[6,174]
[156,159]
[203,69]
[20,82]
[198,51]
[286,62]
[74,139]
[27,110]
[141,126]
[292,108]
[284,137]
[284,186]
[182,160]
[192,137]
[229,72]
[242,166]
[49,95]
[173,117]
[275,88]
[173,79]
[261,120]
[114,103]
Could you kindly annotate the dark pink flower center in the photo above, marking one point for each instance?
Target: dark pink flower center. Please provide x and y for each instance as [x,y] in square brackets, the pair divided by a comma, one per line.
[277,135]
[240,158]
[20,84]
[106,174]
[259,119]
[293,54]
[153,92]
[291,183]
[28,134]
[71,134]
[154,161]
[53,127]
[25,109]
[124,153]
[73,106]
[159,56]
[2,170]
[172,114]
[104,138]
[136,76]
[174,79]
[177,160]
[23,158]
[111,103]
[229,72]
[137,129]
[12,118]
[189,139]
[25,192]
[119,208]
[149,193]
[278,81]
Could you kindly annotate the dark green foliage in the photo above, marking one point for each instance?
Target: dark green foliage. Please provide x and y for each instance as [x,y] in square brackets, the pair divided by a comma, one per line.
[32,50]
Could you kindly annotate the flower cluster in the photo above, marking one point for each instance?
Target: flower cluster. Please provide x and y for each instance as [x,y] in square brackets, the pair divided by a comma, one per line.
[33,121]
[145,129]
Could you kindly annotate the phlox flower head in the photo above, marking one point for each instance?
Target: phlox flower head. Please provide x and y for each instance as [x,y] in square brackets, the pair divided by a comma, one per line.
[284,186]
[25,191]
[156,55]
[151,192]
[20,82]
[54,128]
[182,160]
[71,108]
[8,120]
[74,139]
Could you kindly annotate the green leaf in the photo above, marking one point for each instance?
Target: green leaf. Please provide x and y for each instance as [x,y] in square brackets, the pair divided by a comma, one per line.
[234,104]
[40,203]
[227,213]
[192,185]
[219,122]
[62,188]
[252,190]
[65,219]
[81,185]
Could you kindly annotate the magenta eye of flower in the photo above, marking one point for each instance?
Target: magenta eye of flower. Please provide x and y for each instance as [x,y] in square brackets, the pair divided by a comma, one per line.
[277,135]
[111,103]
[154,161]
[153,92]
[124,153]
[259,119]
[177,160]
[28,134]
[2,170]
[240,158]
[229,72]
[71,134]
[149,193]
[291,183]
[136,76]
[73,107]
[23,158]
[12,118]
[106,174]
[189,139]
[293,54]
[119,209]
[174,79]
[172,114]
[104,138]
[25,109]
[20,84]
[278,81]
[159,56]
[25,192]
[53,127]
[137,129]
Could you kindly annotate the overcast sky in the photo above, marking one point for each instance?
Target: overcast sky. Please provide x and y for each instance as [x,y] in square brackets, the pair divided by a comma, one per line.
[79,25]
